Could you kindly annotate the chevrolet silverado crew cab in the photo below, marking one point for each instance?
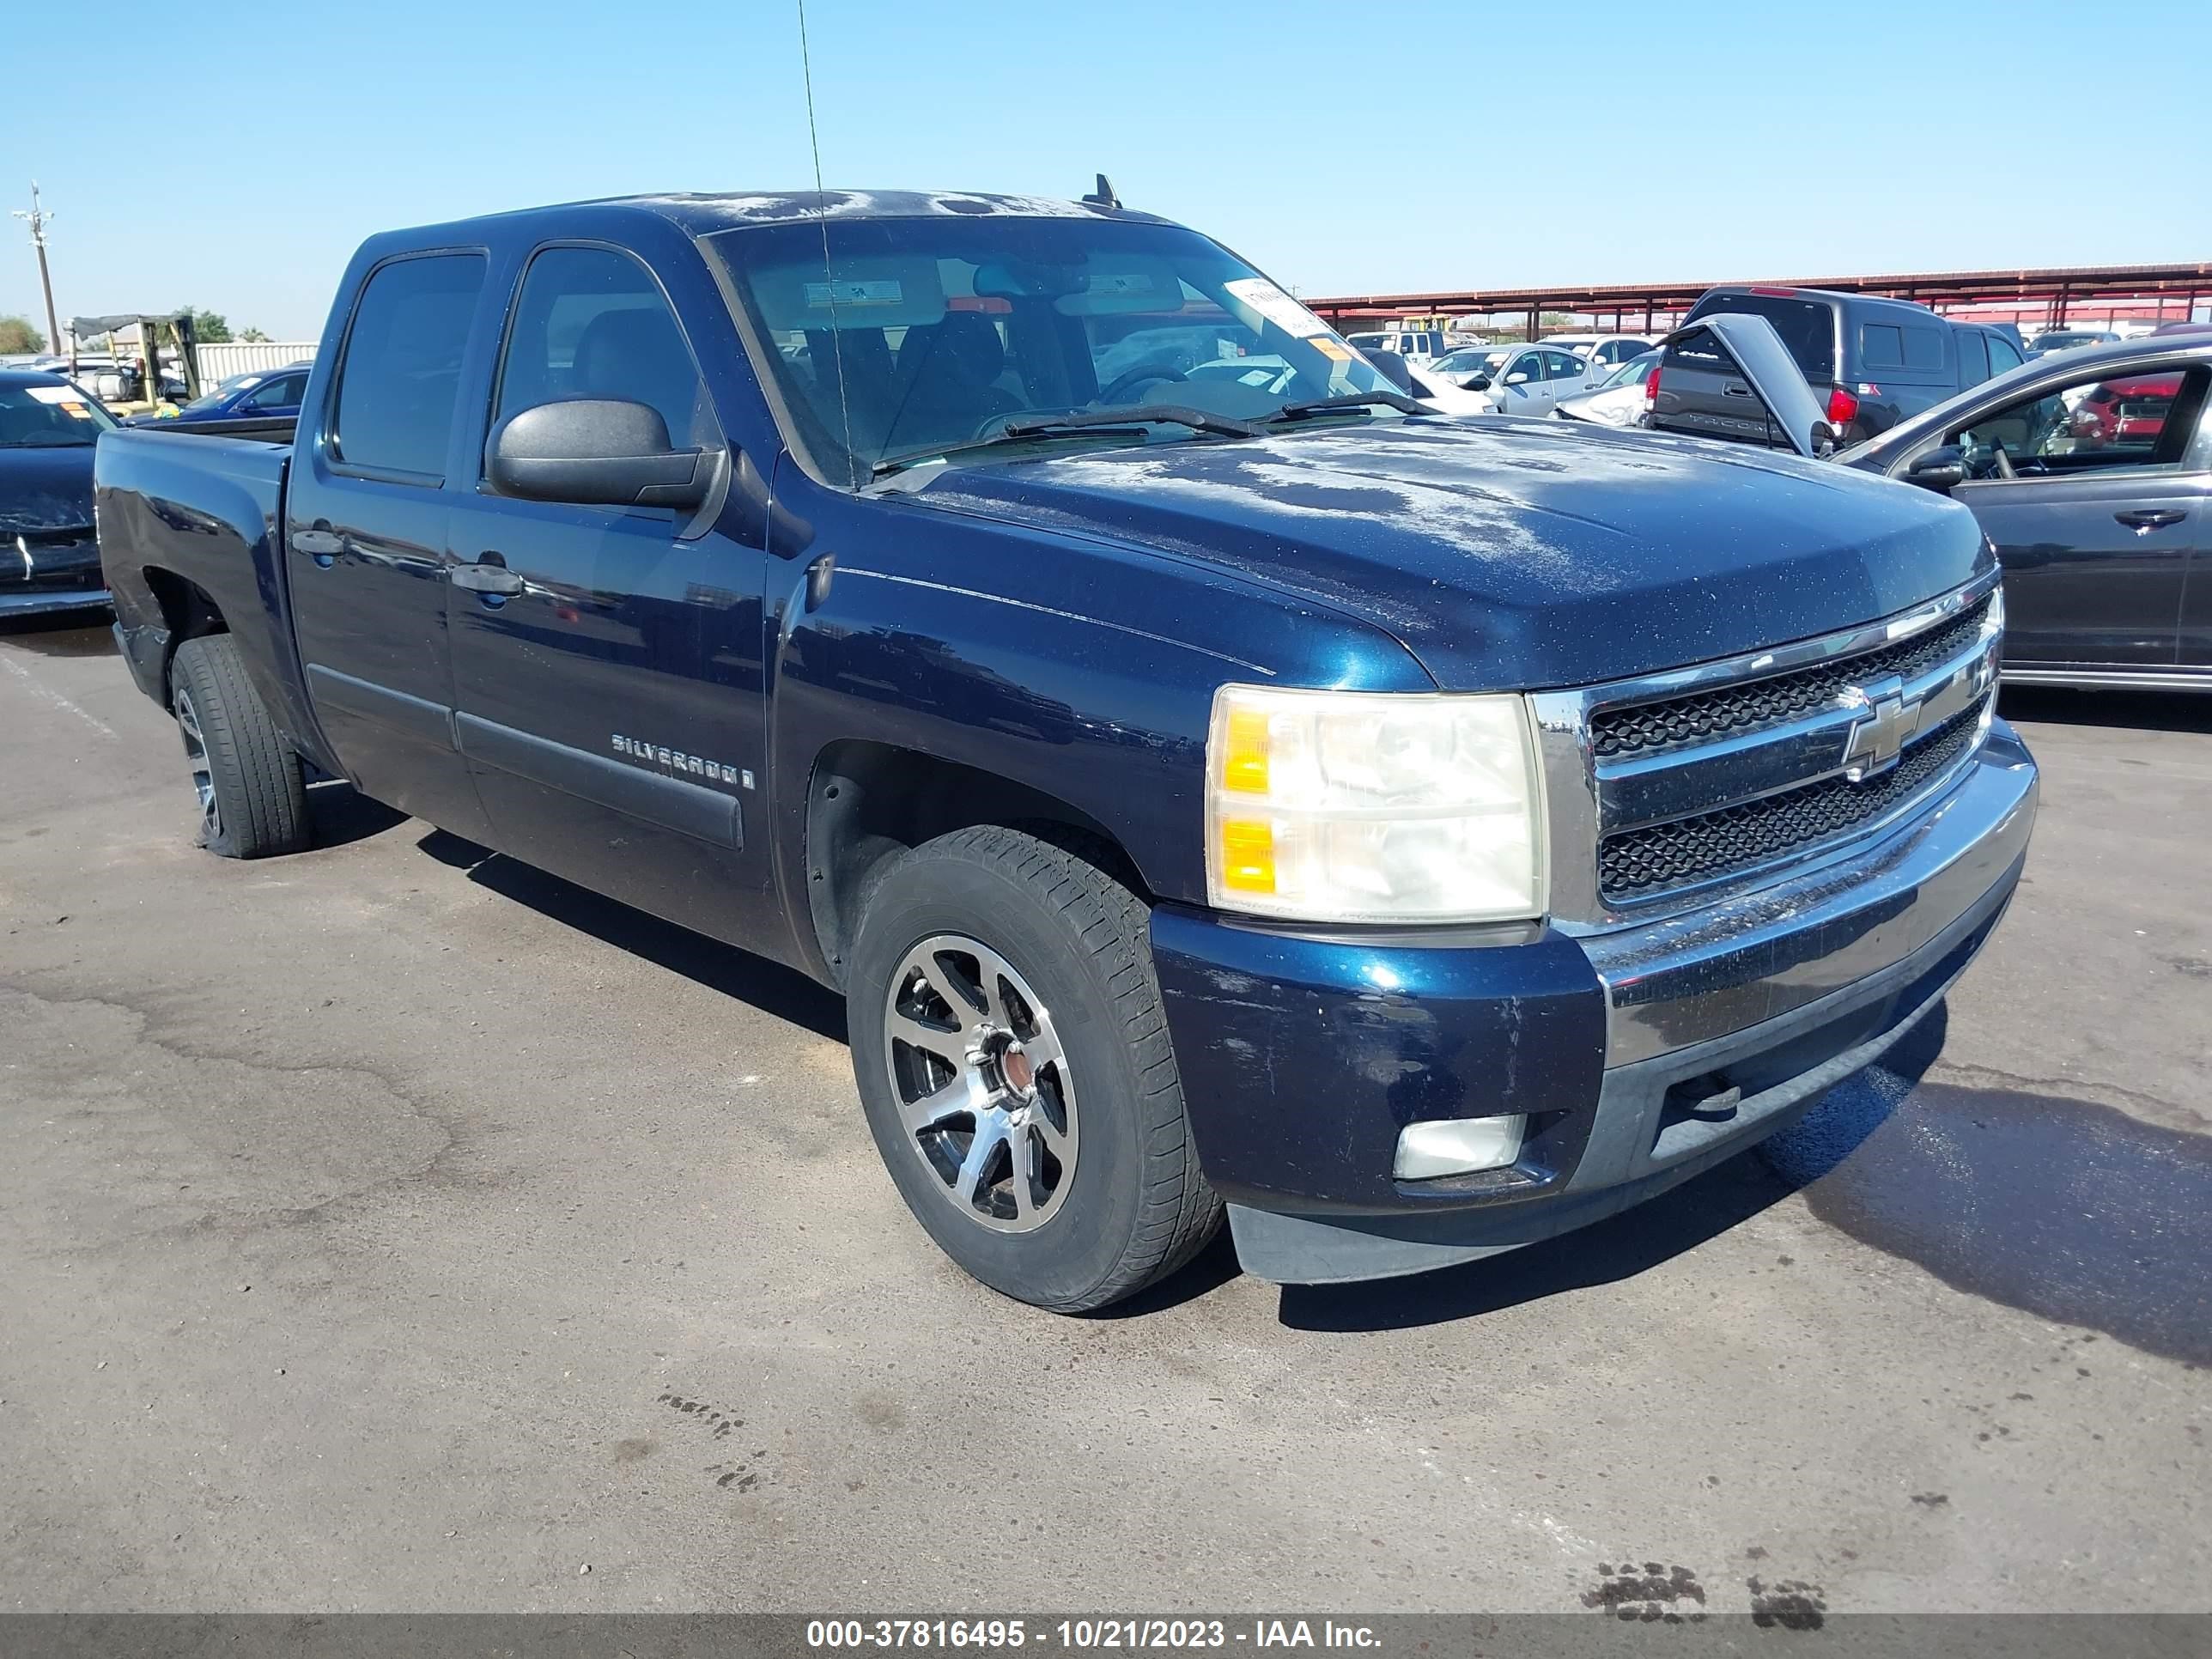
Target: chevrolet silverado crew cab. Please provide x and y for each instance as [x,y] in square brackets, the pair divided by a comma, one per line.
[1235,790]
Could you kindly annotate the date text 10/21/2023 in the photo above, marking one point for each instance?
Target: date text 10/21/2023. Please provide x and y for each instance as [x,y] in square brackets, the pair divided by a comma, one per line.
[1104,1634]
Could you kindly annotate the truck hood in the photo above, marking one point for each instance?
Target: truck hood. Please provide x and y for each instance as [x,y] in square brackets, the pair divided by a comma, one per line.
[1513,555]
[44,489]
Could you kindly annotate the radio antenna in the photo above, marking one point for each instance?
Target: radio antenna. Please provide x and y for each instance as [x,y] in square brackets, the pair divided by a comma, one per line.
[822,218]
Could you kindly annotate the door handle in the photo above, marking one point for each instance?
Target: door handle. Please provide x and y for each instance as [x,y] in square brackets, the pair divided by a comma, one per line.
[2144,519]
[323,546]
[492,581]
[1737,390]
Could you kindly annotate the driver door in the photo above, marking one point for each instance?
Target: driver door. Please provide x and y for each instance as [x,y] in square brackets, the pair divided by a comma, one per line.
[2093,520]
[1521,390]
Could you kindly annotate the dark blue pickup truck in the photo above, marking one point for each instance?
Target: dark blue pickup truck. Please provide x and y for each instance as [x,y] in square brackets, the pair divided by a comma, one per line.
[1213,781]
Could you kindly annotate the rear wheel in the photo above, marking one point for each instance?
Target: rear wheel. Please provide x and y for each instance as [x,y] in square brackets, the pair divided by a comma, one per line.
[252,797]
[1014,1063]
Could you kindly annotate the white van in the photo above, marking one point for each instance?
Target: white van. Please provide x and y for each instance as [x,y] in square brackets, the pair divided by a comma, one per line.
[1415,345]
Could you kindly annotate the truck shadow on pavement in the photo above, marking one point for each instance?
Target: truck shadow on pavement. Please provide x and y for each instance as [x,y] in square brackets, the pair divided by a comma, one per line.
[342,815]
[769,986]
[2068,1209]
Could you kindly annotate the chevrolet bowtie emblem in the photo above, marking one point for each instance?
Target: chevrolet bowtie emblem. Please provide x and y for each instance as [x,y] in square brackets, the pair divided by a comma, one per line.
[1884,721]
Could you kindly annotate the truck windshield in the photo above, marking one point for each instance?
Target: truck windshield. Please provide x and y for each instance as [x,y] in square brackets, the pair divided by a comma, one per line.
[921,331]
[50,417]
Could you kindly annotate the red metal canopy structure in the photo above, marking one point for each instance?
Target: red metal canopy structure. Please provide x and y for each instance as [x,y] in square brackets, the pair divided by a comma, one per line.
[2046,298]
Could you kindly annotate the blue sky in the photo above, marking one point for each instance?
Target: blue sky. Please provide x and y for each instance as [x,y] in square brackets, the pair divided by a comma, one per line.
[1343,148]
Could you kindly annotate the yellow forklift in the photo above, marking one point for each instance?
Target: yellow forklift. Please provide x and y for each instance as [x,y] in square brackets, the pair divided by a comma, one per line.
[139,388]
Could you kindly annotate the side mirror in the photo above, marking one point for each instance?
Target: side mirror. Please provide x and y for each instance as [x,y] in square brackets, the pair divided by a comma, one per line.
[594,452]
[1479,383]
[1939,469]
[1516,380]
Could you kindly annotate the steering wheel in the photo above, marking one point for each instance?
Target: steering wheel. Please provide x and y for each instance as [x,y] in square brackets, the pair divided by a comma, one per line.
[1125,383]
[2005,462]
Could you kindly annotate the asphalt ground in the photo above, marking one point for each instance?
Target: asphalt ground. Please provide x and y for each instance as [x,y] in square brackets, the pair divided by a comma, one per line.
[395,1227]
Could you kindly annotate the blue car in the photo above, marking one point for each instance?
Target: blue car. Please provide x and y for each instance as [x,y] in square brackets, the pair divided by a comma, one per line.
[258,394]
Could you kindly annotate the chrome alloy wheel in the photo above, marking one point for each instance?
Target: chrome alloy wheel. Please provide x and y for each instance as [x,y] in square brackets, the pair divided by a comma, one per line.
[984,1092]
[196,755]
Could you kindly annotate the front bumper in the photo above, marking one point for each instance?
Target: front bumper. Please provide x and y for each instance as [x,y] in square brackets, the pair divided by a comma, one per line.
[50,574]
[1640,1055]
[45,601]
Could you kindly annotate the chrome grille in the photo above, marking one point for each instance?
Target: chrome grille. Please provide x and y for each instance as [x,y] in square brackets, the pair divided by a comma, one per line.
[1776,699]
[1736,838]
[1677,785]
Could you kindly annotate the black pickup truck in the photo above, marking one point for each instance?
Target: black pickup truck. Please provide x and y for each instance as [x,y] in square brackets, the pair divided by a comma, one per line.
[1213,781]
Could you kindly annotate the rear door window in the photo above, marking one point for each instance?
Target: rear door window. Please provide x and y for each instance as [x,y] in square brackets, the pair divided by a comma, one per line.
[401,367]
[1808,327]
[2002,355]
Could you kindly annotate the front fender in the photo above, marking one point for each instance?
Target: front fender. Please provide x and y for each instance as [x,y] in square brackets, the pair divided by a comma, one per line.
[1084,671]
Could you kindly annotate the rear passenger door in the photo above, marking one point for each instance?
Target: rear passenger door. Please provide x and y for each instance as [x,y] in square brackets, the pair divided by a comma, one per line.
[1566,375]
[365,536]
[612,709]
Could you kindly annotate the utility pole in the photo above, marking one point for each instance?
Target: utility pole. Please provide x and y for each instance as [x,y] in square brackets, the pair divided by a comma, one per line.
[40,218]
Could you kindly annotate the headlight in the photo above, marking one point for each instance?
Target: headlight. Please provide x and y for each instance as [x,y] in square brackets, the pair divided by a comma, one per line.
[1364,806]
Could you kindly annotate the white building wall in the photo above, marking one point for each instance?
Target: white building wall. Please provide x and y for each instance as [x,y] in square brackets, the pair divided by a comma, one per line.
[220,363]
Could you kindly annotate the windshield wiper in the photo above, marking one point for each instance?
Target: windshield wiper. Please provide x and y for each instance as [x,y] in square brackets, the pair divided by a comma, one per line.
[1397,400]
[1136,415]
[1133,419]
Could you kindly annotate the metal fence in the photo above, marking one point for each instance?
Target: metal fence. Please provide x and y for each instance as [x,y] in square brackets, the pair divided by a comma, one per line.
[220,363]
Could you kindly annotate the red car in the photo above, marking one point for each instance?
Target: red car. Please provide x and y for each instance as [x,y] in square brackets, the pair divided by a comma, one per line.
[2125,411]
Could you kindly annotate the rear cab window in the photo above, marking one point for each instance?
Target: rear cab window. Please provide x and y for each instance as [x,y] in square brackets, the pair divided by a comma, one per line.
[400,371]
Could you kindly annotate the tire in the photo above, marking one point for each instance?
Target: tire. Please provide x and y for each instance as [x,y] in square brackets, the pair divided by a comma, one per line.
[253,799]
[1063,1061]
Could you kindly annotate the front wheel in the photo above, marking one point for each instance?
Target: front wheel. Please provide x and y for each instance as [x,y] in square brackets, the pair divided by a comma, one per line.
[252,797]
[1014,1063]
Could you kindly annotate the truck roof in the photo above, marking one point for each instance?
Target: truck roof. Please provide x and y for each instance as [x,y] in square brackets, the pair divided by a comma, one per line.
[701,213]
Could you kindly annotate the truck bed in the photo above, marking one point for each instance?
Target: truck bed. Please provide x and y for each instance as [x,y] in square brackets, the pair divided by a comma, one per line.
[203,511]
[269,429]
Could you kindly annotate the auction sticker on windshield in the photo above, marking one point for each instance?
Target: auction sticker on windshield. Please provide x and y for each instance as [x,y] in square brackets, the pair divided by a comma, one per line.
[1277,307]
[66,399]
